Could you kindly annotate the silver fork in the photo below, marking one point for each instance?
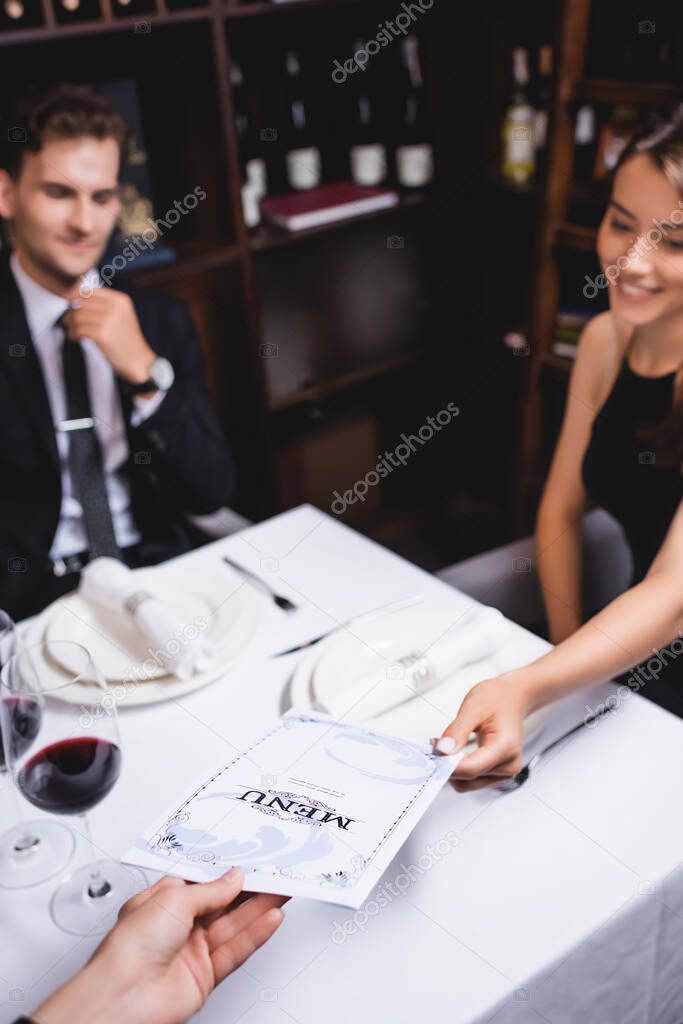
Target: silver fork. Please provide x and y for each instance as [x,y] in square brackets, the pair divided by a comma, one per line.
[282,602]
[523,774]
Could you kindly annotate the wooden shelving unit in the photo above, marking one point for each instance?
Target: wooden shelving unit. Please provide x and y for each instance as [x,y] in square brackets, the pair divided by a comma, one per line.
[16,37]
[190,260]
[267,236]
[560,364]
[575,236]
[557,234]
[246,10]
[639,94]
[348,380]
[181,55]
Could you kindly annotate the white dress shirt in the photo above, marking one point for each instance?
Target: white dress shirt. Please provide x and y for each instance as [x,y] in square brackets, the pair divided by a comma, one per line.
[42,309]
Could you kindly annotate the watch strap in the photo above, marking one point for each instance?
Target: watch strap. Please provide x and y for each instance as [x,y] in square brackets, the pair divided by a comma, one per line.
[141,389]
[161,377]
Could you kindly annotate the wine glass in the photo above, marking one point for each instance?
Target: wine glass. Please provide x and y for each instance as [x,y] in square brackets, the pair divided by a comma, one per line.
[30,852]
[72,767]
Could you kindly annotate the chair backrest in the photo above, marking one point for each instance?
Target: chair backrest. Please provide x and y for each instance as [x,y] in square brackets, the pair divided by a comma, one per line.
[219,524]
[507,577]
[607,560]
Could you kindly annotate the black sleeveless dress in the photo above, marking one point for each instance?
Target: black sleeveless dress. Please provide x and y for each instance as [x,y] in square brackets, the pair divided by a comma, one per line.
[621,474]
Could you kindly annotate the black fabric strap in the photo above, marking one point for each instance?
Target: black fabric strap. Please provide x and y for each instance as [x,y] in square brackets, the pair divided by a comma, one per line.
[85,456]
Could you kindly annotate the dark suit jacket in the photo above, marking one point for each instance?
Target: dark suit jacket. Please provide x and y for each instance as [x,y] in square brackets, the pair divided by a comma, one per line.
[178,464]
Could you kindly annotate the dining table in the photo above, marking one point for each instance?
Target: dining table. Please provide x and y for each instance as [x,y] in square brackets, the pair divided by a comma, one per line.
[561,901]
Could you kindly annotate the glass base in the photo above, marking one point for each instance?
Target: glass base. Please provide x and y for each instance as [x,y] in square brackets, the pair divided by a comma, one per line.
[75,911]
[33,852]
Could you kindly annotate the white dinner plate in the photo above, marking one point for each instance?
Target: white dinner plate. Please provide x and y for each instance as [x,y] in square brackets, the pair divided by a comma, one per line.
[342,658]
[367,649]
[229,608]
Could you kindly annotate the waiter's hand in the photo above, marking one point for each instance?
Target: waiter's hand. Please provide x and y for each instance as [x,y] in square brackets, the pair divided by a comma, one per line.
[495,710]
[109,318]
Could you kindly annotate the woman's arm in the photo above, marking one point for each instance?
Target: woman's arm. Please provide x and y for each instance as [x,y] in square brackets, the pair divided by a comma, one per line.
[564,501]
[644,619]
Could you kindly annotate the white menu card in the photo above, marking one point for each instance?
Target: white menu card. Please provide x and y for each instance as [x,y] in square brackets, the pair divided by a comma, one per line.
[313,808]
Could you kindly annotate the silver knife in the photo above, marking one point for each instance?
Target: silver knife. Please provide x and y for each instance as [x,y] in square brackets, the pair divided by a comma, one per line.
[395,606]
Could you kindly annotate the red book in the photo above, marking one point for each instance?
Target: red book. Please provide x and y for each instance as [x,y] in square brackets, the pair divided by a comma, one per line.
[332,202]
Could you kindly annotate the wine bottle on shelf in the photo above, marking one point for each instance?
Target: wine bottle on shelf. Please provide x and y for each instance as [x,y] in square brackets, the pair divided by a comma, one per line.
[415,154]
[18,14]
[239,98]
[254,189]
[545,74]
[253,168]
[368,154]
[67,11]
[519,155]
[302,156]
[584,143]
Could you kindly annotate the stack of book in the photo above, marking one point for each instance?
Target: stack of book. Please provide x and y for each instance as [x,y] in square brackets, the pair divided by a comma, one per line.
[569,324]
[336,201]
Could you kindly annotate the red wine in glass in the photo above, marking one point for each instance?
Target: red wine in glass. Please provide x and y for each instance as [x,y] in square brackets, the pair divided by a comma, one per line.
[30,852]
[72,767]
[70,776]
[24,717]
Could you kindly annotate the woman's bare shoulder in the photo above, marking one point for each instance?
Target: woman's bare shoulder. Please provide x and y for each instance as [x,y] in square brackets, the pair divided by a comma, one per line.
[602,345]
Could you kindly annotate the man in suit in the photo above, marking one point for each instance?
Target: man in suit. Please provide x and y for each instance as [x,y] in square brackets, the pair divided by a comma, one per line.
[107,436]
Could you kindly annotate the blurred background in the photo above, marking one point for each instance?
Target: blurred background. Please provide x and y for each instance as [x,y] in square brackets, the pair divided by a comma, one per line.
[379,213]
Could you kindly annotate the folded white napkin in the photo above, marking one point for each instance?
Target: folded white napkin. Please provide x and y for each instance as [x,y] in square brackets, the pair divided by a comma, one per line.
[110,583]
[476,637]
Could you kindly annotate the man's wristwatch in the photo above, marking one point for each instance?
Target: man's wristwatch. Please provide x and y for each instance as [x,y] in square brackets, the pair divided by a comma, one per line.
[161,377]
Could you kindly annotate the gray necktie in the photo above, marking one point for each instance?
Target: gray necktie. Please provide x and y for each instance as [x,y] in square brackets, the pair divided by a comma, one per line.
[85,455]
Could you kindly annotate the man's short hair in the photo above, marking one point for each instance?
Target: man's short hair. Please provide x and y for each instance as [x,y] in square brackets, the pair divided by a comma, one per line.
[66,111]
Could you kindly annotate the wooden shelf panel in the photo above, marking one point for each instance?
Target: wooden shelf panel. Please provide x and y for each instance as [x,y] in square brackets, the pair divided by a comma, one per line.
[554,362]
[498,184]
[326,388]
[599,90]
[267,236]
[576,236]
[191,259]
[237,10]
[99,26]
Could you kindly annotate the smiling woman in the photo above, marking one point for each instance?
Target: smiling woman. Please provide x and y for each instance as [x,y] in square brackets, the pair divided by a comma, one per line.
[621,444]
[646,210]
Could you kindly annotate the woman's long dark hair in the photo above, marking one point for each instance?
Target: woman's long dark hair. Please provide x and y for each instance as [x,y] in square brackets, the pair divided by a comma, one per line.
[661,138]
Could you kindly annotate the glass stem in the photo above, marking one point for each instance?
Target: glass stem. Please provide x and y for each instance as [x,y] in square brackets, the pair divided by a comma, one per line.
[98,885]
[25,841]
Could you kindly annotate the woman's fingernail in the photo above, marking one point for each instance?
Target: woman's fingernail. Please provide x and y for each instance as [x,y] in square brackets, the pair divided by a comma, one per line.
[446,745]
[232,874]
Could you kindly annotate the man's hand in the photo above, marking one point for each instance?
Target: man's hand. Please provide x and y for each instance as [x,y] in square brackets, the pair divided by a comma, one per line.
[172,945]
[109,318]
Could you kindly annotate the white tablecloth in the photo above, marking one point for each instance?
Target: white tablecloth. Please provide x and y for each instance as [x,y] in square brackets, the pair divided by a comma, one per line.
[561,902]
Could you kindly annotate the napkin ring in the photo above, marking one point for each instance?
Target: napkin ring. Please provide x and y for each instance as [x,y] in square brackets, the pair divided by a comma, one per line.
[420,670]
[133,602]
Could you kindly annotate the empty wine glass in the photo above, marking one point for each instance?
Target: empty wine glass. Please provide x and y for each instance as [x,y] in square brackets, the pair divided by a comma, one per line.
[30,852]
[72,766]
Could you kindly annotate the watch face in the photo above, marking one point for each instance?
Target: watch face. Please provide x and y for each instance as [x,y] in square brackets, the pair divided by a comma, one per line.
[162,373]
